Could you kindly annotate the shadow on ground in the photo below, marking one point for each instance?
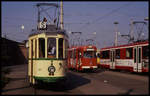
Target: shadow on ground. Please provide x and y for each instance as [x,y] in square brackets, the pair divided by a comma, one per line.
[98,70]
[73,81]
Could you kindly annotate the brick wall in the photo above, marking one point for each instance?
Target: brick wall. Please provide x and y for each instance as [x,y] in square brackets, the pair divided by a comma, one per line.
[12,52]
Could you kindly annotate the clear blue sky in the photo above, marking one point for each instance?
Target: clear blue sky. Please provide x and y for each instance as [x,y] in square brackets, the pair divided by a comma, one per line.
[85,17]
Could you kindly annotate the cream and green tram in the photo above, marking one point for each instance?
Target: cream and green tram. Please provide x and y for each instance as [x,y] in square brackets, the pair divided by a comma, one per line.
[47,55]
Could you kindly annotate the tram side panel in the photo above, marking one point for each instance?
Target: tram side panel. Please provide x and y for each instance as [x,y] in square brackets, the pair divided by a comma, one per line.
[117,59]
[132,58]
[105,59]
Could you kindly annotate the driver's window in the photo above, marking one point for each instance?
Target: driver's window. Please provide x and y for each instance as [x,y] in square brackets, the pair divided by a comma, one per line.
[51,48]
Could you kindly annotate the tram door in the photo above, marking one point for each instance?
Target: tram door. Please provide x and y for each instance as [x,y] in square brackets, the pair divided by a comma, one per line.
[112,61]
[137,59]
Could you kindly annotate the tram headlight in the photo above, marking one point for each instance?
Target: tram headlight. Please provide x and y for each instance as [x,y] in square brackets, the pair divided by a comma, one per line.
[51,69]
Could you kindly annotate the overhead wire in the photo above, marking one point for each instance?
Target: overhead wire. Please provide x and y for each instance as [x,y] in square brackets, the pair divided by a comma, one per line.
[104,16]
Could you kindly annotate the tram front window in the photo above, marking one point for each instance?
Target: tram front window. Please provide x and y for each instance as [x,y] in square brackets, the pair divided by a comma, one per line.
[89,54]
[51,48]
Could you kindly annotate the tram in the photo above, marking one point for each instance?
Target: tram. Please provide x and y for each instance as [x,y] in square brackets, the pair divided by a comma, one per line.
[133,57]
[82,57]
[47,52]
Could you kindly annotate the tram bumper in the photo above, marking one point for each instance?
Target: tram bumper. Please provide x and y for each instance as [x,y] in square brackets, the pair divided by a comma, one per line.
[50,79]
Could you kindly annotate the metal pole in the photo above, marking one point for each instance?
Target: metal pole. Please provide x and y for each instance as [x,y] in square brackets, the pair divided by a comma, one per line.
[38,14]
[61,20]
[131,33]
[116,31]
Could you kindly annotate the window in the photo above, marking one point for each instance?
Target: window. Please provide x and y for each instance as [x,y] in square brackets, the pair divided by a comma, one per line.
[31,48]
[145,52]
[60,43]
[51,48]
[89,54]
[139,55]
[118,54]
[129,53]
[35,48]
[66,48]
[135,55]
[105,54]
[41,47]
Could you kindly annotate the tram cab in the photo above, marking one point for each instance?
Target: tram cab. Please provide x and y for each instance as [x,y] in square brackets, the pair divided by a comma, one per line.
[82,57]
[47,54]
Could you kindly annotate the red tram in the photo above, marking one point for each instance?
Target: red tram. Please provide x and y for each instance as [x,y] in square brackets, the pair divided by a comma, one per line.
[133,57]
[82,57]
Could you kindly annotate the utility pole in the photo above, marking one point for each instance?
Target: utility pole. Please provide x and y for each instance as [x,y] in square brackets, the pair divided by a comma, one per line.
[116,31]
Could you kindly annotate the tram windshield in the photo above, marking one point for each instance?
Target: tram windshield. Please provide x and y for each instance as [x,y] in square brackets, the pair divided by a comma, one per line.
[89,54]
[51,48]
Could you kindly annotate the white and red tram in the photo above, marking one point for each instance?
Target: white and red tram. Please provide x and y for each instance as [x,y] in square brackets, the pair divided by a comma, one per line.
[133,57]
[82,57]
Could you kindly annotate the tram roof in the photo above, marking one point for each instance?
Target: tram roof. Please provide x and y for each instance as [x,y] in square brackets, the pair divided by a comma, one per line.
[127,45]
[51,30]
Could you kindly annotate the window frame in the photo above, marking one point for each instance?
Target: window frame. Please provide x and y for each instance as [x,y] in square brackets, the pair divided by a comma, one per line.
[48,46]
[41,49]
[117,53]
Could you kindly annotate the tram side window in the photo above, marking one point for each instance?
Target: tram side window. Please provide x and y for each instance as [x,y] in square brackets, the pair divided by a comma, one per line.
[41,47]
[60,47]
[118,54]
[105,55]
[31,48]
[51,48]
[145,52]
[129,53]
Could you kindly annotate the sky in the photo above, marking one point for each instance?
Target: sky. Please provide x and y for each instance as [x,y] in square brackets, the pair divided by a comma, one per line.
[86,17]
